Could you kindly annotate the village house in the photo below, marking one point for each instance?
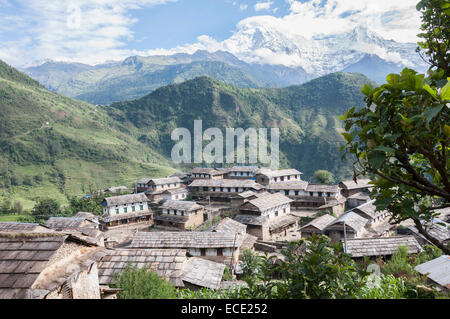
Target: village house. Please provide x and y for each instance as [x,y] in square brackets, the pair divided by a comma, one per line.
[221,190]
[183,176]
[379,247]
[349,187]
[206,173]
[126,209]
[437,271]
[349,225]
[85,227]
[234,227]
[220,247]
[316,226]
[173,264]
[242,172]
[117,190]
[157,186]
[267,216]
[266,176]
[50,265]
[358,199]
[307,196]
[436,228]
[179,214]
[175,194]
[241,198]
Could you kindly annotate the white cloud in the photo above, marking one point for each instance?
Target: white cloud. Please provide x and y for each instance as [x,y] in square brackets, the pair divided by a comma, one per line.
[263,5]
[89,31]
[243,7]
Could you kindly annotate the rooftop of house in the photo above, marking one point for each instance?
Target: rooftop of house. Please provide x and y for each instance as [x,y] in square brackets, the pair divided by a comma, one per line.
[175,191]
[320,222]
[126,199]
[351,219]
[243,169]
[268,201]
[322,188]
[278,173]
[181,205]
[61,223]
[256,220]
[437,270]
[368,209]
[203,273]
[381,246]
[165,180]
[289,185]
[32,264]
[360,183]
[244,183]
[188,239]
[282,221]
[435,229]
[229,225]
[22,227]
[206,170]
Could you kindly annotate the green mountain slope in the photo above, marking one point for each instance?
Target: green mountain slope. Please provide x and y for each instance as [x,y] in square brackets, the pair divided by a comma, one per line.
[306,115]
[54,145]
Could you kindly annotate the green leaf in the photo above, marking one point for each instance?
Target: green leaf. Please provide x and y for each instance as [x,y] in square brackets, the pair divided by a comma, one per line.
[347,137]
[445,91]
[447,130]
[432,91]
[432,112]
[393,79]
[376,159]
[367,89]
[384,149]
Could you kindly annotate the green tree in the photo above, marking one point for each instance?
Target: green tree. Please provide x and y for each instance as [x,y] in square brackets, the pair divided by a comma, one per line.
[249,263]
[401,138]
[323,177]
[45,208]
[143,284]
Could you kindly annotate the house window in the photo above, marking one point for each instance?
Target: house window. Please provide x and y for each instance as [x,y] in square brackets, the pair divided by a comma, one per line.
[117,210]
[133,209]
[202,251]
[219,252]
[141,207]
[125,209]
[296,193]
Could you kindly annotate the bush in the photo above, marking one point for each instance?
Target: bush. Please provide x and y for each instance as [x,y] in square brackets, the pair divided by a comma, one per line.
[399,265]
[383,287]
[143,284]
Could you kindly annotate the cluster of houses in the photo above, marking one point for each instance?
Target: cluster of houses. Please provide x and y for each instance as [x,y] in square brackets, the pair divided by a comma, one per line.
[172,231]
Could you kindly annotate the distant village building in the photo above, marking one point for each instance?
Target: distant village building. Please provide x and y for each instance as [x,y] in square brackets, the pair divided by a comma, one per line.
[126,209]
[232,226]
[83,227]
[180,214]
[369,211]
[349,187]
[437,271]
[117,190]
[242,172]
[48,265]
[175,194]
[158,186]
[267,176]
[221,190]
[349,225]
[358,199]
[267,216]
[206,173]
[220,247]
[380,247]
[22,227]
[316,226]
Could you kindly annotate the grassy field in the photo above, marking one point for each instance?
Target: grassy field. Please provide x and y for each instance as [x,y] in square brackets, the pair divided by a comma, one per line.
[10,218]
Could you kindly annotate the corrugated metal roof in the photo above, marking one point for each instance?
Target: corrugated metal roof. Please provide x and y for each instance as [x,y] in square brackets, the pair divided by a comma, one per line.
[437,269]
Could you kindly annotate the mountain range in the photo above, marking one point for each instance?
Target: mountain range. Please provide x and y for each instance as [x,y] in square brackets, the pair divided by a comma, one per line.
[56,146]
[257,56]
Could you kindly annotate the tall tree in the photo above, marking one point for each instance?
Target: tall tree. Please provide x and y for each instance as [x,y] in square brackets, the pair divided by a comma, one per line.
[323,176]
[402,137]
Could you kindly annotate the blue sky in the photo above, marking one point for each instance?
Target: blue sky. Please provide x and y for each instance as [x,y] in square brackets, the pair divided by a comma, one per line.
[93,31]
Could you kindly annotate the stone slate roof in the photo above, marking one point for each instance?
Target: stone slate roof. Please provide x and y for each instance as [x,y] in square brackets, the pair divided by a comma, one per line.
[320,223]
[361,183]
[289,185]
[256,220]
[246,194]
[109,218]
[268,201]
[167,263]
[238,168]
[282,221]
[180,175]
[165,180]
[225,183]
[437,270]
[61,223]
[206,170]
[204,273]
[175,191]
[183,205]
[368,209]
[143,180]
[229,225]
[360,196]
[88,216]
[21,227]
[278,173]
[126,199]
[440,232]
[352,220]
[381,246]
[322,188]
[185,240]
[22,259]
